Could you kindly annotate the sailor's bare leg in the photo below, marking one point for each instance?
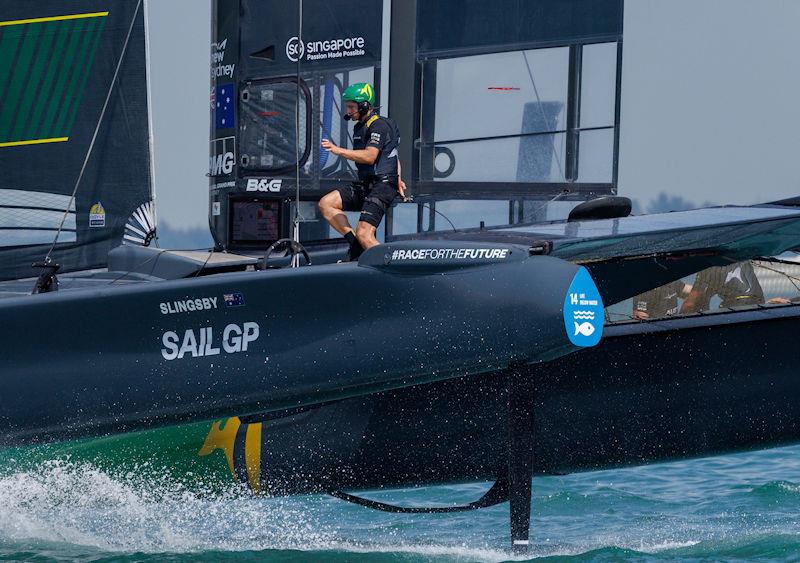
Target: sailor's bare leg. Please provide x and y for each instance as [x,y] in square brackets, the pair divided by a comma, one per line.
[331,208]
[365,233]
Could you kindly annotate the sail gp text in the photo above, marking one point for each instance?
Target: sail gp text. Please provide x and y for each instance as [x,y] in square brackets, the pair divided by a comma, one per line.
[203,342]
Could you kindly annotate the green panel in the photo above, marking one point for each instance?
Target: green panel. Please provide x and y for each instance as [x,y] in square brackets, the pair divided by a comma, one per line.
[70,99]
[49,31]
[168,455]
[20,78]
[8,49]
[63,73]
[9,41]
[46,91]
[85,74]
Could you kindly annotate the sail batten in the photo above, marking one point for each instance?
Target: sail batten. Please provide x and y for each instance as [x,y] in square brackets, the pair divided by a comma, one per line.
[30,198]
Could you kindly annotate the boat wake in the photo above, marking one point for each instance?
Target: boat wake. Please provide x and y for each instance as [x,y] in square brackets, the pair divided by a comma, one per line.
[79,511]
[82,505]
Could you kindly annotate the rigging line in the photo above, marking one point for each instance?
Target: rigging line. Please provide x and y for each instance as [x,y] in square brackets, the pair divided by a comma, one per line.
[203,267]
[297,218]
[428,205]
[544,117]
[96,130]
[155,257]
[143,263]
[546,203]
[791,278]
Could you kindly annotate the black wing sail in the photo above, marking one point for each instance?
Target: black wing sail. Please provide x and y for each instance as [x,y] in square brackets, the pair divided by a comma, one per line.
[57,64]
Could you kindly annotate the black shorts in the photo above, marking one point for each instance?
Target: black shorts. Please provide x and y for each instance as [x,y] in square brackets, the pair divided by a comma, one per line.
[372,201]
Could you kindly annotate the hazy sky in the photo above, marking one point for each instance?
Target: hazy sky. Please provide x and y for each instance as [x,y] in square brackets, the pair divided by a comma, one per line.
[710,105]
[180,33]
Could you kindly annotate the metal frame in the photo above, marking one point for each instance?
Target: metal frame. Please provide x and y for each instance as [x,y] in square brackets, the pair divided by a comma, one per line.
[425,188]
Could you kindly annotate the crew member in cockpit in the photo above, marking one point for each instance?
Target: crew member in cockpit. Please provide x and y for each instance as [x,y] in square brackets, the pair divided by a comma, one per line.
[736,285]
[660,302]
[375,143]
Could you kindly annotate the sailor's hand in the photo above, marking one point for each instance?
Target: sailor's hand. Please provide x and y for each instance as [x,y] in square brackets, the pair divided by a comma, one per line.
[401,188]
[328,146]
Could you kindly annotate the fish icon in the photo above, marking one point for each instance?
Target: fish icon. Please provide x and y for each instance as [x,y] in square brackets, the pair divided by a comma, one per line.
[586,329]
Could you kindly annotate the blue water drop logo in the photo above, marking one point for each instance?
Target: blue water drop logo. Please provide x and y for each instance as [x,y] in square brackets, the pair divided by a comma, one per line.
[583,311]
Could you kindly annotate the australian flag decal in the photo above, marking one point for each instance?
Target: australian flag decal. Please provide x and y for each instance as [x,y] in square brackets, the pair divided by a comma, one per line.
[233,299]
[223,109]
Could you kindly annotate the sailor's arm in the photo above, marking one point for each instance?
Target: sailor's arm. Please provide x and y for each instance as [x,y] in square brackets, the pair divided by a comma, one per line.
[401,185]
[692,302]
[364,156]
[700,292]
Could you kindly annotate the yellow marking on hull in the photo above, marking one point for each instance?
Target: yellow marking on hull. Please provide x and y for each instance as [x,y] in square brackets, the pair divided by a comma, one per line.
[222,439]
[34,142]
[252,455]
[55,18]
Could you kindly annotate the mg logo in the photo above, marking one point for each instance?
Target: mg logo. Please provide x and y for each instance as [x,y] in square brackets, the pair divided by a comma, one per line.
[264,185]
[223,156]
[221,164]
[294,49]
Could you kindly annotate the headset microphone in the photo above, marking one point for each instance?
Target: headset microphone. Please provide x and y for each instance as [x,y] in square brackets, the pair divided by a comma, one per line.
[347,117]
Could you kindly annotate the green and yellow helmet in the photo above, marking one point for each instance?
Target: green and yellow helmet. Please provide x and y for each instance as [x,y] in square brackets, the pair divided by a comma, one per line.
[360,92]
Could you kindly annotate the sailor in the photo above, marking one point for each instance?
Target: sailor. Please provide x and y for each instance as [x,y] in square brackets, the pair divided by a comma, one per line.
[736,285]
[660,302]
[375,143]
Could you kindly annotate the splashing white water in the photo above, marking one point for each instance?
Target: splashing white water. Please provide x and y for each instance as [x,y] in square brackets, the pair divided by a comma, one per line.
[78,507]
[80,504]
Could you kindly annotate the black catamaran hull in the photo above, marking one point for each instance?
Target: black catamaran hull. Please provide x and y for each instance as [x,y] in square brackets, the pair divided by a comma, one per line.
[663,391]
[116,359]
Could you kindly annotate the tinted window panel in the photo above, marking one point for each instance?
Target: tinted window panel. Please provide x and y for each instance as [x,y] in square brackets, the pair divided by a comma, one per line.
[596,156]
[404,218]
[469,213]
[501,94]
[537,158]
[598,85]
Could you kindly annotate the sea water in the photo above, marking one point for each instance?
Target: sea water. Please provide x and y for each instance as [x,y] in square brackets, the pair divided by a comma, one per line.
[736,507]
